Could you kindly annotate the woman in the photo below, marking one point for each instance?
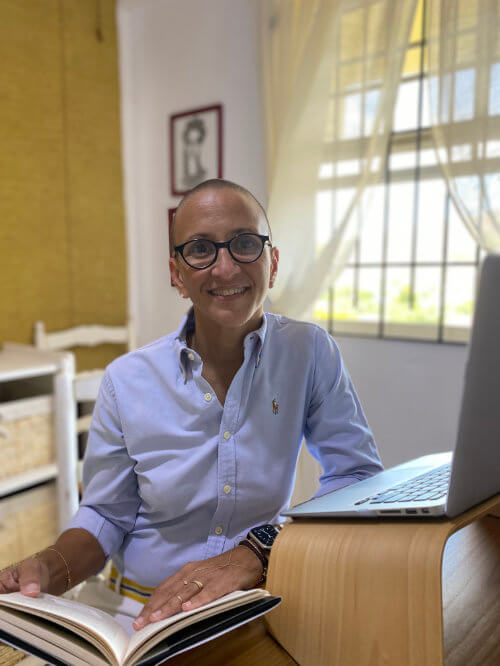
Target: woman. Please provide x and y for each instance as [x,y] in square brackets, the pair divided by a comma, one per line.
[195,437]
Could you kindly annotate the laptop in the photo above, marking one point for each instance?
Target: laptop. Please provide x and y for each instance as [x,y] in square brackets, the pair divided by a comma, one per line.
[442,484]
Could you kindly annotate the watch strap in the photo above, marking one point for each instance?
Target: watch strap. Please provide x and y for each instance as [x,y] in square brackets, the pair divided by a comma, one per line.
[263,560]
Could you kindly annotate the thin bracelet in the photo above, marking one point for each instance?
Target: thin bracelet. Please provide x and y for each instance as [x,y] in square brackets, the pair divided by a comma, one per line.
[68,576]
[261,557]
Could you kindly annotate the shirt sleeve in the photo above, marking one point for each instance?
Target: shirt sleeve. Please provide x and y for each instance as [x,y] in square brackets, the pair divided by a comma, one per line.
[110,498]
[336,432]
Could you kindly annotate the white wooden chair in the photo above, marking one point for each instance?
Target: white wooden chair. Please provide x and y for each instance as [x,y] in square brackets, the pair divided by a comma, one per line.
[85,384]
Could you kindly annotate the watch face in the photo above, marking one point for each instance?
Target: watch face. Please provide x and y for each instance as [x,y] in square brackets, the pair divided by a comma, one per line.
[265,534]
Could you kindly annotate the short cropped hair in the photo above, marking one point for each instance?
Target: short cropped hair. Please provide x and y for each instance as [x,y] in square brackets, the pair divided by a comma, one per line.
[216,184]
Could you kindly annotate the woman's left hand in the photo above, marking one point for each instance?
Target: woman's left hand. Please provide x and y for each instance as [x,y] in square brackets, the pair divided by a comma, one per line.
[198,583]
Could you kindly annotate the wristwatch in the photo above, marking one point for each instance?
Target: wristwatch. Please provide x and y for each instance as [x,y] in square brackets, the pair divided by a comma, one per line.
[263,536]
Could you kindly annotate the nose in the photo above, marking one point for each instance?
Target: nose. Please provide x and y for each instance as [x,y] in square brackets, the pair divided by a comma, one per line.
[225,265]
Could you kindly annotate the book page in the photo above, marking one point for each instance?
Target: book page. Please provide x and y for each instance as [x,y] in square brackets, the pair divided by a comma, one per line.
[91,623]
[101,630]
[50,638]
[123,610]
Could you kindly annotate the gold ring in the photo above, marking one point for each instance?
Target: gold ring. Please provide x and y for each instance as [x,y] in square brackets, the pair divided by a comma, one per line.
[186,582]
[198,584]
[180,598]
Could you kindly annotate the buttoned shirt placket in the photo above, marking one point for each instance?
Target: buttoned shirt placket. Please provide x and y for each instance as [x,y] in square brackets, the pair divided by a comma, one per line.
[228,434]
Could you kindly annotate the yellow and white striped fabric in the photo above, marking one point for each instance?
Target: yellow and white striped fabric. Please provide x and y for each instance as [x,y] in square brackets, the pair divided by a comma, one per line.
[127,587]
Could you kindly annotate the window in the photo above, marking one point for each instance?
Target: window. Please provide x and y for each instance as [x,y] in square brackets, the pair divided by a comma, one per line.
[412,272]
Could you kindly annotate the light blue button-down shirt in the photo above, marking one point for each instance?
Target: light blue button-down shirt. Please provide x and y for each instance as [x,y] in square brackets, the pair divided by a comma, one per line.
[171,476]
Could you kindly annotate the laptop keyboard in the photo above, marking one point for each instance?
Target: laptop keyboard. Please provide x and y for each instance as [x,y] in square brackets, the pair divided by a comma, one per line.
[431,485]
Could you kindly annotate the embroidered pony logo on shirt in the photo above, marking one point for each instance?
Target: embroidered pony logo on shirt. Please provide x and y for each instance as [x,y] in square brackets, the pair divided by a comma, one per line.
[275,407]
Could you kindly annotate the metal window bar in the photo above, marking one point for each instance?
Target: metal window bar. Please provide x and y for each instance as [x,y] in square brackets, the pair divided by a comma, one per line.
[359,211]
[418,144]
[444,264]
[444,269]
[385,242]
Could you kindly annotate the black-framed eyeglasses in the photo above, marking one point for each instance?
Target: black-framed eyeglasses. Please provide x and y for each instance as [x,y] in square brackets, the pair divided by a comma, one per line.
[201,253]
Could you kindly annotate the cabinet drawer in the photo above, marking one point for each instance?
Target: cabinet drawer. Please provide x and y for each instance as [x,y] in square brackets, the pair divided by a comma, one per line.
[28,523]
[26,435]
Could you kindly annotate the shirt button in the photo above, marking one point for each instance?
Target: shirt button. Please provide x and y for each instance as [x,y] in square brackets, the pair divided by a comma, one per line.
[208,397]
[227,434]
[191,356]
[218,529]
[227,489]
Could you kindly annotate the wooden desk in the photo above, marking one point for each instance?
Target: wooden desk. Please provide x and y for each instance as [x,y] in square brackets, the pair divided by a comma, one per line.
[402,593]
[370,593]
[246,646]
[376,593]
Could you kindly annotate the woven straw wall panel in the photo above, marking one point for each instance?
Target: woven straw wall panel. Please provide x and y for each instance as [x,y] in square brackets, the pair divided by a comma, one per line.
[26,439]
[28,523]
[62,238]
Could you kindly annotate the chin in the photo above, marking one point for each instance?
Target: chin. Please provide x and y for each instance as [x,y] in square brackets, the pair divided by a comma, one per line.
[231,317]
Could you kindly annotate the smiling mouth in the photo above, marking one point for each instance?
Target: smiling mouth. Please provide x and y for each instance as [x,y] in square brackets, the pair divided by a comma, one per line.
[234,291]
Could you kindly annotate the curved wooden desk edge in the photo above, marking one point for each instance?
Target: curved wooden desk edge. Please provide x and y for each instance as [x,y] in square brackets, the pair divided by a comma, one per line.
[365,591]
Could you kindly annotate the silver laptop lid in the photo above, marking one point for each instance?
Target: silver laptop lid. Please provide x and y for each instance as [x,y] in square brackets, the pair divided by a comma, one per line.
[475,472]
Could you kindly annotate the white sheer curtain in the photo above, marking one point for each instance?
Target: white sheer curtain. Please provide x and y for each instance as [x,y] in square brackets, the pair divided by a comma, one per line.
[464,93]
[329,68]
[330,73]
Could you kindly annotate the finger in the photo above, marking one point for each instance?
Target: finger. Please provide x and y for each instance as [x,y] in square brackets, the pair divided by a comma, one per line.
[163,598]
[214,589]
[153,614]
[163,606]
[8,581]
[173,605]
[204,597]
[155,602]
[179,583]
[29,577]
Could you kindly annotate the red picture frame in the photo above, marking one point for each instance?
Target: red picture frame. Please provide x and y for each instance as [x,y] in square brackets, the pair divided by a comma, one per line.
[196,147]
[171,213]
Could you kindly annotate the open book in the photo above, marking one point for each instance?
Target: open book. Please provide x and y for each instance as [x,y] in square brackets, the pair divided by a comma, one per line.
[63,631]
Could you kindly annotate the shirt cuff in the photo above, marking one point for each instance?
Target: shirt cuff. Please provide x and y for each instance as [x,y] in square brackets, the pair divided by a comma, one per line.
[109,536]
[335,484]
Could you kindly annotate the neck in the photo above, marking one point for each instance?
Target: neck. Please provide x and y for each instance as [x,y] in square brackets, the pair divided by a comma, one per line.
[219,345]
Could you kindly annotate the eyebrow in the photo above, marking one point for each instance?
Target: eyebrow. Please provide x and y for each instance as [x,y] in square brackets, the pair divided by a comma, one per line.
[235,232]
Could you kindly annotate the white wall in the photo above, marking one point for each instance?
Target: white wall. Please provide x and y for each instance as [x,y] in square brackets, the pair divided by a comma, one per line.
[177,55]
[181,54]
[410,391]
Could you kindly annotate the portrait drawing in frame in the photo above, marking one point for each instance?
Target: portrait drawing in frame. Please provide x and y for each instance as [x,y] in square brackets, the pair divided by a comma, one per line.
[195,147]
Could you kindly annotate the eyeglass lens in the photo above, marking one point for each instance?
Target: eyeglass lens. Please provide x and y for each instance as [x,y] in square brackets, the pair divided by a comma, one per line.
[245,248]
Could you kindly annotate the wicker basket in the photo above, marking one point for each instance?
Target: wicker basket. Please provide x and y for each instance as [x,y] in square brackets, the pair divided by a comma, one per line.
[28,523]
[26,435]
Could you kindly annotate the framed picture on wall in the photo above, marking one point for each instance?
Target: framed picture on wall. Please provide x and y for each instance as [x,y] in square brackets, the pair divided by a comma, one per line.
[195,147]
[171,213]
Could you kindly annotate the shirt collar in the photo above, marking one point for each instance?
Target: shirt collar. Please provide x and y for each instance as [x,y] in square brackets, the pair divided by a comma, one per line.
[187,325]
[180,344]
[258,335]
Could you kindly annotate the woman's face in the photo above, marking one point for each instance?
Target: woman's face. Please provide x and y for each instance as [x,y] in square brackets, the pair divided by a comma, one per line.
[219,215]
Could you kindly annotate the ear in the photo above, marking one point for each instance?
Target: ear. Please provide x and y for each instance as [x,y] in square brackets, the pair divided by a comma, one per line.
[275,257]
[176,277]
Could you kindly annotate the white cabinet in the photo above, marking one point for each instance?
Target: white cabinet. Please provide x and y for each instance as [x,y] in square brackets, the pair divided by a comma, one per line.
[37,424]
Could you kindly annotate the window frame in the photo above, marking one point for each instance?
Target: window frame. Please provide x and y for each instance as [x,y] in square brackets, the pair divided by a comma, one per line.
[417,140]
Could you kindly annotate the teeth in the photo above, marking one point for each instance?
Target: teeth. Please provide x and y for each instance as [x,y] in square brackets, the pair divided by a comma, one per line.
[228,292]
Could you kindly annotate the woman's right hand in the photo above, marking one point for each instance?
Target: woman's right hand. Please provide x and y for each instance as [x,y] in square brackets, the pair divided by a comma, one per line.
[30,577]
